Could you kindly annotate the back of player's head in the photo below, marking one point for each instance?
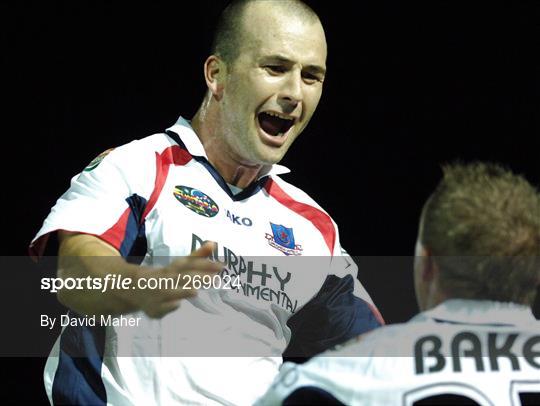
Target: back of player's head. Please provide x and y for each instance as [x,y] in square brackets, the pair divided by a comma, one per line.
[482,225]
[230,30]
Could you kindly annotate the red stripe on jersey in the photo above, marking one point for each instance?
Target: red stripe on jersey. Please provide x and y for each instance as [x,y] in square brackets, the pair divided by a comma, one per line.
[377,313]
[172,155]
[320,219]
[115,234]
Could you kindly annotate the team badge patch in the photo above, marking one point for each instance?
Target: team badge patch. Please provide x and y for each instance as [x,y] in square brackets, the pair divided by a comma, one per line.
[196,201]
[97,160]
[282,238]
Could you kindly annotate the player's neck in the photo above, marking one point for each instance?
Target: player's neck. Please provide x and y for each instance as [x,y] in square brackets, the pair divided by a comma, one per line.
[233,170]
[435,297]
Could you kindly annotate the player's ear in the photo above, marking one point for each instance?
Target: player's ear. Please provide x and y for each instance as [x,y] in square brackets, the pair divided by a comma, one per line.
[431,270]
[428,268]
[214,75]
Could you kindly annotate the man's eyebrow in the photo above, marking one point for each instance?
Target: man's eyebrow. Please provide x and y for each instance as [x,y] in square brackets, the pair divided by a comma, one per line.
[286,61]
[316,69]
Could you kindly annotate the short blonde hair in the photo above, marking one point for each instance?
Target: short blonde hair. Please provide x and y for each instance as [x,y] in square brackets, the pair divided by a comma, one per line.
[482,225]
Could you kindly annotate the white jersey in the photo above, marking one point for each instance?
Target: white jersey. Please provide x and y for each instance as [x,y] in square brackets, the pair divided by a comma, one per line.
[461,352]
[159,197]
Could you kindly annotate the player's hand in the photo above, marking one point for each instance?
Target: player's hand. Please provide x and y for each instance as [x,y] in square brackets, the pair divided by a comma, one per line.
[156,303]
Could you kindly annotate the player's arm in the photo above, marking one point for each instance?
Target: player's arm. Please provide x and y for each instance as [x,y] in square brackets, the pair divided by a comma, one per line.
[82,256]
[341,310]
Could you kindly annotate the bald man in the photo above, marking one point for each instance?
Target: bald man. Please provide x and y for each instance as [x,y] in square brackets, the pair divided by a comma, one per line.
[206,190]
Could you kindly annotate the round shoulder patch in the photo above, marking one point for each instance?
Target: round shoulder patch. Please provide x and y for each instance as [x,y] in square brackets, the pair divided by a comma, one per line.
[97,160]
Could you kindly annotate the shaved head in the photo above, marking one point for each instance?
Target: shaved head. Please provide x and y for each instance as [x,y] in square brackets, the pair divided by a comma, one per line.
[231,32]
[482,225]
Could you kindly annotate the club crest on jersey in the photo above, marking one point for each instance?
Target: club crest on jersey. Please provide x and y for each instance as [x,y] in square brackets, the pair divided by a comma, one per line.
[97,160]
[196,201]
[282,238]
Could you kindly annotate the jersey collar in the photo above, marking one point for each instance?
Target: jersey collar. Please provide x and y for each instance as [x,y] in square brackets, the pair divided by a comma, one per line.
[193,144]
[480,312]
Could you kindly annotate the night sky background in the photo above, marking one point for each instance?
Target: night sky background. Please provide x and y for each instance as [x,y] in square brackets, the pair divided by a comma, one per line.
[409,87]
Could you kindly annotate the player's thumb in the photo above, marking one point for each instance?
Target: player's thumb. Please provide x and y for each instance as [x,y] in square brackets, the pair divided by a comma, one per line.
[204,250]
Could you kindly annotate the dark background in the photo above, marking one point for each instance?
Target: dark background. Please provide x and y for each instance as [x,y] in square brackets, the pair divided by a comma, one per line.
[409,87]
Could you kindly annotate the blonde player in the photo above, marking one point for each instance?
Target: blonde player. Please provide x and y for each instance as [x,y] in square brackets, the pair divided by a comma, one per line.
[476,341]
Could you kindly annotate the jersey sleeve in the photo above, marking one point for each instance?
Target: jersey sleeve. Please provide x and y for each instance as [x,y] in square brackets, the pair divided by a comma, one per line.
[341,310]
[107,199]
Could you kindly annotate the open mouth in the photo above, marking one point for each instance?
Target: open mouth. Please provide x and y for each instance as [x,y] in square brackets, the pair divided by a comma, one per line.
[274,124]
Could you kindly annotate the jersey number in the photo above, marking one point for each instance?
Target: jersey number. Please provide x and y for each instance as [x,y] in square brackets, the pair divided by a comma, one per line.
[522,393]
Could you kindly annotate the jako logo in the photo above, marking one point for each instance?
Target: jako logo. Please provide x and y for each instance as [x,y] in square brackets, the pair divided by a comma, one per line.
[240,221]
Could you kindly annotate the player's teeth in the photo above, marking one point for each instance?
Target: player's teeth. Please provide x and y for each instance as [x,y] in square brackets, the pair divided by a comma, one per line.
[278,115]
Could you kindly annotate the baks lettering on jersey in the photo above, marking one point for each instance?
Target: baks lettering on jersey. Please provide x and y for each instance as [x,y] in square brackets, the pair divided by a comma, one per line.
[487,352]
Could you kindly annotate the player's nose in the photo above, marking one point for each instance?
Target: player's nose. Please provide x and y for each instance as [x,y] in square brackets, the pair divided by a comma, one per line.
[291,93]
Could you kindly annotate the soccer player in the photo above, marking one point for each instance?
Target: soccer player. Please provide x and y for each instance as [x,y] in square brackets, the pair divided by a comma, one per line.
[213,178]
[476,341]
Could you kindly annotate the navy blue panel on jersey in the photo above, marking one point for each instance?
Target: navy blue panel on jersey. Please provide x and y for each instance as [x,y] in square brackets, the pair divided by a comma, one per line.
[134,243]
[251,189]
[78,376]
[176,138]
[332,317]
[311,395]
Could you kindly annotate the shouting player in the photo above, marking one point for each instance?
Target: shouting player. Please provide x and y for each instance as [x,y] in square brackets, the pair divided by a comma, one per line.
[476,341]
[212,178]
